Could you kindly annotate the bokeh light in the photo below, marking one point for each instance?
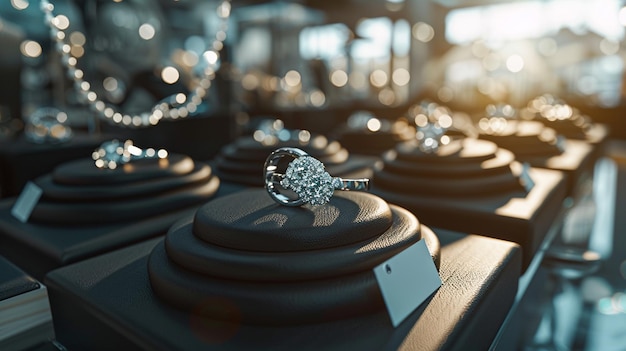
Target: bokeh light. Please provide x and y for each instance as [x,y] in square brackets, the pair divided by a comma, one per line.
[170,75]
[30,48]
[147,31]
[339,78]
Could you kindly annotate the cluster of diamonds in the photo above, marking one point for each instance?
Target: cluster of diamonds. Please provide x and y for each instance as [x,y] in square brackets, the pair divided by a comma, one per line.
[430,137]
[114,153]
[307,177]
[111,154]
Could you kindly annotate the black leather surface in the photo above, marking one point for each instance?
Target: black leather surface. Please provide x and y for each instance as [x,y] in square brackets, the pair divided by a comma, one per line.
[108,302]
[83,171]
[186,250]
[242,160]
[320,268]
[580,127]
[463,168]
[14,281]
[495,163]
[526,139]
[576,162]
[98,213]
[268,303]
[576,159]
[366,142]
[70,192]
[38,248]
[78,193]
[251,220]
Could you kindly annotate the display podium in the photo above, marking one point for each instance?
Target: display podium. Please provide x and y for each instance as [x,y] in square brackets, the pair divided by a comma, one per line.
[85,211]
[258,275]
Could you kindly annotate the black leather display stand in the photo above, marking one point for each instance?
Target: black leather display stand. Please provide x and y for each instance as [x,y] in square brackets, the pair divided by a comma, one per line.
[22,160]
[526,139]
[241,162]
[536,144]
[584,128]
[247,273]
[283,265]
[85,211]
[473,186]
[579,127]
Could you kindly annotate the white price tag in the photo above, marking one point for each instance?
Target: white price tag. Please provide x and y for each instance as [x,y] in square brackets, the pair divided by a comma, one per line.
[406,280]
[525,177]
[26,202]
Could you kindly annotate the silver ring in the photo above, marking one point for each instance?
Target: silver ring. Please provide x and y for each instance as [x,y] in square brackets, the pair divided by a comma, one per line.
[306,177]
[47,125]
[114,153]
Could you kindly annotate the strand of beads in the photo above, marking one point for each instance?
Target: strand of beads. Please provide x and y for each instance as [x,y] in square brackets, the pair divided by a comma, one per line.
[179,106]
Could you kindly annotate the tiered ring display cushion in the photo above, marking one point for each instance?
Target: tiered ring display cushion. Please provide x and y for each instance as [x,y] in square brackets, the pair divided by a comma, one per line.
[274,264]
[241,161]
[473,186]
[528,140]
[85,210]
[108,302]
[542,147]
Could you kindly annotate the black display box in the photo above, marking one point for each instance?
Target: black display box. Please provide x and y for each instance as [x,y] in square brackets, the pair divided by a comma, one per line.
[107,303]
[524,218]
[38,249]
[576,161]
[84,210]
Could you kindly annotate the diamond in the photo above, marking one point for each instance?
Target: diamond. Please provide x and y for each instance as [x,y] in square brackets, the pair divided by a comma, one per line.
[307,177]
[429,137]
[113,151]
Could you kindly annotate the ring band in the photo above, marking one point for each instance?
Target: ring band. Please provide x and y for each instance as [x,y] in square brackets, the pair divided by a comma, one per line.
[306,177]
[114,153]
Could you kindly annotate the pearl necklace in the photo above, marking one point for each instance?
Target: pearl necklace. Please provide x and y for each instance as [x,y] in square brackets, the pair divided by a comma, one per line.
[178,106]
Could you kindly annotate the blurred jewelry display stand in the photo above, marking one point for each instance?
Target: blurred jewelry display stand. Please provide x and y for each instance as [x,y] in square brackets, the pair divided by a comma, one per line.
[327,59]
[178,41]
[275,77]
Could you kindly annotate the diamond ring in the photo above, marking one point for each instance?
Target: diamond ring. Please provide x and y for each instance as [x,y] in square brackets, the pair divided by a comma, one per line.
[47,125]
[306,177]
[114,153]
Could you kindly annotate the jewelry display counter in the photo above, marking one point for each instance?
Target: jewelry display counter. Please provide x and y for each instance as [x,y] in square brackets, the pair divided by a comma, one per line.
[247,273]
[85,211]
